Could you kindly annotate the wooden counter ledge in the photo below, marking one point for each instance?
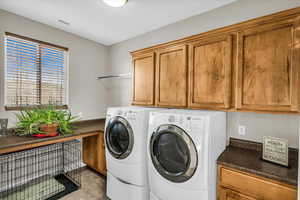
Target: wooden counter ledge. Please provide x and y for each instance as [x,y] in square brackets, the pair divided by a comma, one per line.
[246,156]
[88,128]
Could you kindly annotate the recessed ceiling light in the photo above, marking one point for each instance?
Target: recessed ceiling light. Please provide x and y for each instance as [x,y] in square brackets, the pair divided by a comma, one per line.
[63,22]
[115,3]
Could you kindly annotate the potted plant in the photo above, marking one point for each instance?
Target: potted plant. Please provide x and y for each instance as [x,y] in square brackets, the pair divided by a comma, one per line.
[44,121]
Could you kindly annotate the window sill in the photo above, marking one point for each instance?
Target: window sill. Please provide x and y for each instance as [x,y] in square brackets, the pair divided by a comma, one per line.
[11,108]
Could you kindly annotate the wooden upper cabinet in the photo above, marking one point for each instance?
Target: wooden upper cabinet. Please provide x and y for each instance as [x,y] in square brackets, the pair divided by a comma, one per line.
[143,79]
[210,63]
[250,66]
[172,76]
[267,71]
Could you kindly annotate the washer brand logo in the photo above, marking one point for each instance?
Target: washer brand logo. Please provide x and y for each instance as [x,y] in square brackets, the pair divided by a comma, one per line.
[120,112]
[171,118]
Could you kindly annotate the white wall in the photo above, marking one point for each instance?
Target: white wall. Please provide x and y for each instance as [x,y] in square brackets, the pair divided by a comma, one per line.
[257,124]
[87,60]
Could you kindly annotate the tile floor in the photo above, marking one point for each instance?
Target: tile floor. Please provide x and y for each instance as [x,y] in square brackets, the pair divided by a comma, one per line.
[93,187]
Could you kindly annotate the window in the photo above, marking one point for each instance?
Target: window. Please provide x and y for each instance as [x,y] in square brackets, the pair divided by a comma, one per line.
[35,73]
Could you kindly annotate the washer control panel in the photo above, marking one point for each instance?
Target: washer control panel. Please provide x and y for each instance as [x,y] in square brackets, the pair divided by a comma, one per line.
[128,114]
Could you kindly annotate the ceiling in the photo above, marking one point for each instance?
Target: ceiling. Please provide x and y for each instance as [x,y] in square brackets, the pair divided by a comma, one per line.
[96,21]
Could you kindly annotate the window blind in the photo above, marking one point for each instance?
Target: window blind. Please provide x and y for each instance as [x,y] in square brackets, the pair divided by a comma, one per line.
[35,73]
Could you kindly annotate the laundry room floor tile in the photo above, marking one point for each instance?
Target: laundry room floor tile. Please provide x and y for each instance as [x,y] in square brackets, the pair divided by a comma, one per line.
[93,187]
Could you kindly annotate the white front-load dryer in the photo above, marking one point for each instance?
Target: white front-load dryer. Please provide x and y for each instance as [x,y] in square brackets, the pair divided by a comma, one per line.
[126,131]
[183,146]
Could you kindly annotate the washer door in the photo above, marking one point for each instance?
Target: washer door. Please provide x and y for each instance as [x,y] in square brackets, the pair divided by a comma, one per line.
[119,137]
[173,153]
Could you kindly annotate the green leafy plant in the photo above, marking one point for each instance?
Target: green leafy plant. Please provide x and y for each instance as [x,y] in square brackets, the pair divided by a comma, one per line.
[31,120]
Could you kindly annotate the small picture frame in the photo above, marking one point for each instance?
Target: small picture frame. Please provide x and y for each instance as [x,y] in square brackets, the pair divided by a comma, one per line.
[276,150]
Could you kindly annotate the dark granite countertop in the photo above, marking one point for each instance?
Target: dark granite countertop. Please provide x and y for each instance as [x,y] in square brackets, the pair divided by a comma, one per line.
[246,156]
[82,127]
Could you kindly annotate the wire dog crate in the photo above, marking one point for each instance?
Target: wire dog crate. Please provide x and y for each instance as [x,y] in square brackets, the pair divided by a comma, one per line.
[37,174]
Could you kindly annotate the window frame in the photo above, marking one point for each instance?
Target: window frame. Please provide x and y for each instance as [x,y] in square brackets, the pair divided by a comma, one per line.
[66,73]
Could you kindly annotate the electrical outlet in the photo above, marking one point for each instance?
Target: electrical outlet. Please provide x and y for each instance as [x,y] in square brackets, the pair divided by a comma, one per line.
[242,130]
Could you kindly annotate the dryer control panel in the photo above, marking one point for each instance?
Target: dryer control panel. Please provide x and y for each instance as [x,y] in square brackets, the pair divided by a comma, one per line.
[186,122]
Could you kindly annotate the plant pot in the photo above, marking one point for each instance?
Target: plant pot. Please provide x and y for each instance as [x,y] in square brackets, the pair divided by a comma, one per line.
[49,129]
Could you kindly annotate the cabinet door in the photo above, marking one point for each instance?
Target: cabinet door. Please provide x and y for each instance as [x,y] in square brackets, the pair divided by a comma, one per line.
[171,77]
[226,194]
[94,153]
[102,158]
[210,73]
[143,79]
[267,72]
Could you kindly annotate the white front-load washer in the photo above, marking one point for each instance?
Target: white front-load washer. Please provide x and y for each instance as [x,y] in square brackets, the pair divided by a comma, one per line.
[126,131]
[183,146]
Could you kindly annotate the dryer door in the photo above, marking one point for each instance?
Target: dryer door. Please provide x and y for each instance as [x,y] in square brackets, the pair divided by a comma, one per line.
[119,137]
[173,153]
